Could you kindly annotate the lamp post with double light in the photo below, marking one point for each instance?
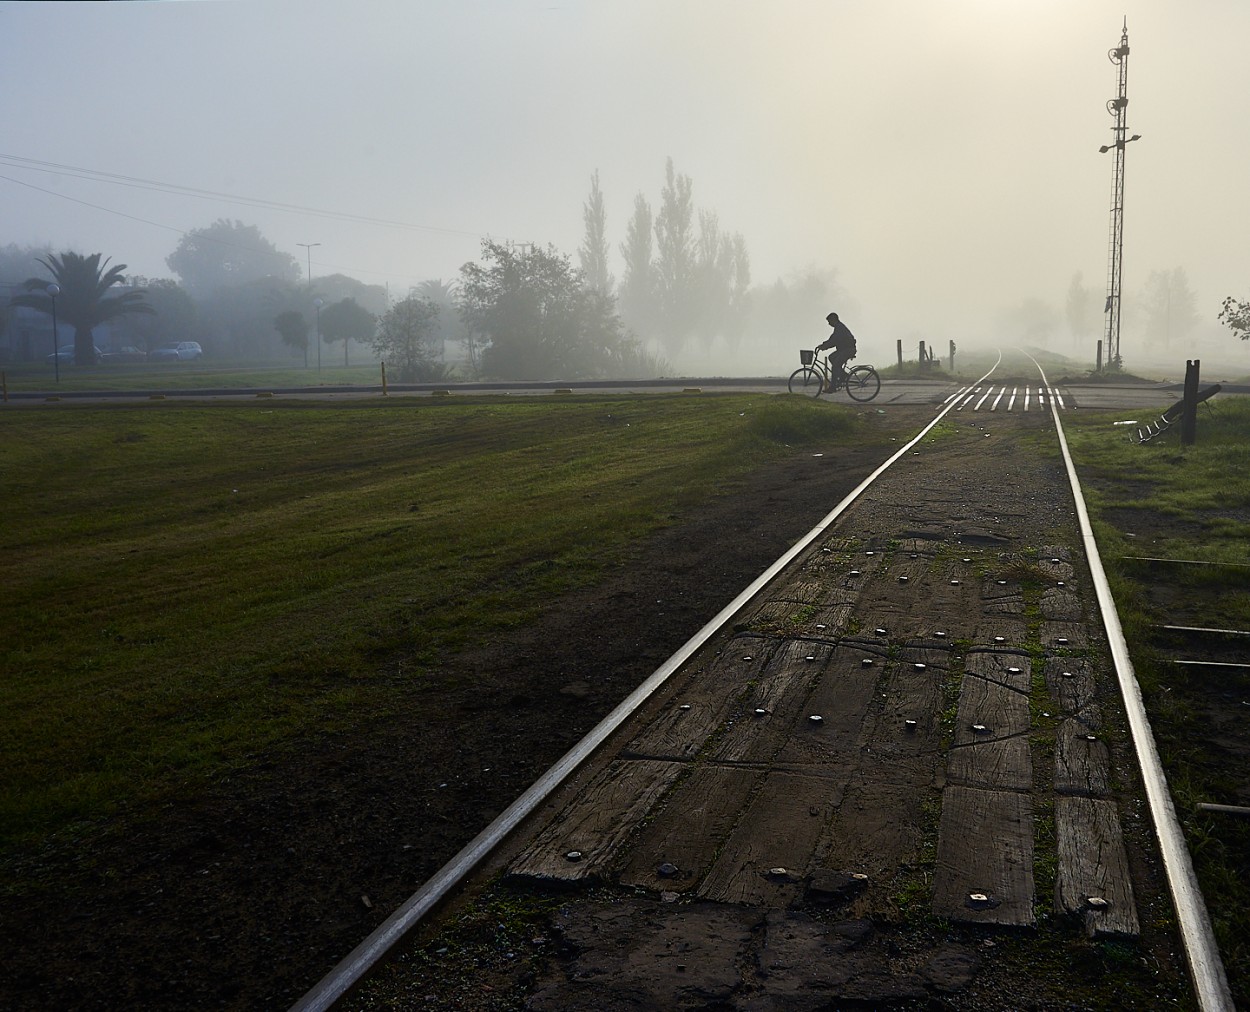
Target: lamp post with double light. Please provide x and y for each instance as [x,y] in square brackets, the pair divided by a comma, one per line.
[308,248]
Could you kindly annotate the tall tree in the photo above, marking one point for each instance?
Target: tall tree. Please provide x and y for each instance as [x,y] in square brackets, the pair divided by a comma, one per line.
[18,261]
[790,313]
[333,287]
[293,327]
[638,286]
[173,318]
[83,301]
[1082,309]
[1170,307]
[228,254]
[711,279]
[406,337]
[540,318]
[448,326]
[739,289]
[239,321]
[347,320]
[675,258]
[593,254]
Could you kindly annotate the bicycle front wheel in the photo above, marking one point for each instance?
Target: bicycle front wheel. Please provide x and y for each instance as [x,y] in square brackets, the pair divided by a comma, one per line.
[863,383]
[807,381]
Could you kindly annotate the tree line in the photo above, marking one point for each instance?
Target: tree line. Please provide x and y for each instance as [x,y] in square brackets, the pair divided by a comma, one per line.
[685,277]
[237,293]
[520,311]
[1161,314]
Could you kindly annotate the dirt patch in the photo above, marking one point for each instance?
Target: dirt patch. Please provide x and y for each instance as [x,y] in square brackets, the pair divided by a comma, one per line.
[245,894]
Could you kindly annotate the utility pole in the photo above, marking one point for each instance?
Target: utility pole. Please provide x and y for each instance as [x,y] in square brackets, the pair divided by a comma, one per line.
[1118,107]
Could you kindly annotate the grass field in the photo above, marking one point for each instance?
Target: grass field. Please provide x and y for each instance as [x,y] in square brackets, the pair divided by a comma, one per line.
[186,587]
[40,378]
[1162,500]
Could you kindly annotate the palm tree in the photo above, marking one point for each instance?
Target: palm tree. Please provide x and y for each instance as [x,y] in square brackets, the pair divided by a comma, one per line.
[84,282]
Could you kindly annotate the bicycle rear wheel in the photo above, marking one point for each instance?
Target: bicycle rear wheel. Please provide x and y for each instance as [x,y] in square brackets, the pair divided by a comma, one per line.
[863,383]
[807,381]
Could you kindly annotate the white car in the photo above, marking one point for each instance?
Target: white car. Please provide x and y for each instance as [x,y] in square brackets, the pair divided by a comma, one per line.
[176,351]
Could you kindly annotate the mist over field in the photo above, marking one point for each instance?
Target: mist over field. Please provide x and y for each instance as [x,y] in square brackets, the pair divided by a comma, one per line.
[929,170]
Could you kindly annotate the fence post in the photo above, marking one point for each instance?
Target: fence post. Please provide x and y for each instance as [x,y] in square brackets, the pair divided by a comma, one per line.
[924,362]
[900,353]
[1189,410]
[1098,367]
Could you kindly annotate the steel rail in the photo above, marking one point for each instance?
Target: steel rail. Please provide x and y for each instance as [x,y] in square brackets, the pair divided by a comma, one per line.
[354,967]
[1197,936]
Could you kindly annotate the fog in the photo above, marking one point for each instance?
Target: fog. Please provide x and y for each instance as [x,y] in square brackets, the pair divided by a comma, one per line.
[938,159]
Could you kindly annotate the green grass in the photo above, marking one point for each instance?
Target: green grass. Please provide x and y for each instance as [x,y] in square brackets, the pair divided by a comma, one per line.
[41,378]
[1184,503]
[186,587]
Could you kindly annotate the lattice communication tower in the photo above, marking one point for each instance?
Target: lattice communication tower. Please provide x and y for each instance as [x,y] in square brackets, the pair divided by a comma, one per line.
[1118,107]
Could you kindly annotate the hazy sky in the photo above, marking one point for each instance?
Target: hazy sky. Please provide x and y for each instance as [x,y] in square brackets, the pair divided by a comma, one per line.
[941,155]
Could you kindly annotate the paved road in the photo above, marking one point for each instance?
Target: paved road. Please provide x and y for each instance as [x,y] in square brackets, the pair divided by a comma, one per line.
[1152,397]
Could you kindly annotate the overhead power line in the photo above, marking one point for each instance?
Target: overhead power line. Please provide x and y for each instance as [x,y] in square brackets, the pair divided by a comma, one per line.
[136,182]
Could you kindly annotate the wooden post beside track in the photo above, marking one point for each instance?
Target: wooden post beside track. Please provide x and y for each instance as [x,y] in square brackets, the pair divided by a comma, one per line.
[1189,409]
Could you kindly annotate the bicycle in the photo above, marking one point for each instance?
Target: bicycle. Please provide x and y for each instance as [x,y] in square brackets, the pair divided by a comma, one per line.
[815,376]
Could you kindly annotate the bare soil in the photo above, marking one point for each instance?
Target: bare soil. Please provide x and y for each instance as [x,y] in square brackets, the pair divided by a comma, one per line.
[242,895]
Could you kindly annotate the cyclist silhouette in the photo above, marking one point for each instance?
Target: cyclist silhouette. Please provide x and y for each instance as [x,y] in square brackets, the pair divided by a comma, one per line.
[842,341]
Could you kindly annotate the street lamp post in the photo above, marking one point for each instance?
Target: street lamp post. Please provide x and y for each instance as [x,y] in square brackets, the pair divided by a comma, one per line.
[317,306]
[308,249]
[53,291]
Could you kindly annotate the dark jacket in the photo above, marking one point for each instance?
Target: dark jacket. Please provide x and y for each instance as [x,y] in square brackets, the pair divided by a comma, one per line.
[841,338]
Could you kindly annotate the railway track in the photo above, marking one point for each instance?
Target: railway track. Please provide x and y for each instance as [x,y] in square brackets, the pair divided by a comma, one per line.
[923,714]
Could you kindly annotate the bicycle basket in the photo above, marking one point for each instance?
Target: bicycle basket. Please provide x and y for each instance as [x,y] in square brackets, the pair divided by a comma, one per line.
[805,356]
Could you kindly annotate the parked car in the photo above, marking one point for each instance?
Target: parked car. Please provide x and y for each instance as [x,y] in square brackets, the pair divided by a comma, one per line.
[127,354]
[176,351]
[66,355]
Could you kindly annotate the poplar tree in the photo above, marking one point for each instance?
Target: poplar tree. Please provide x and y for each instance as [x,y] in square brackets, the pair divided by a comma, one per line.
[637,297]
[675,264]
[1170,306]
[593,254]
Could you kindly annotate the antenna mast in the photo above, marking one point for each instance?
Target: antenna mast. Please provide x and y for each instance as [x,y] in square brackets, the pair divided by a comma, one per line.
[1118,108]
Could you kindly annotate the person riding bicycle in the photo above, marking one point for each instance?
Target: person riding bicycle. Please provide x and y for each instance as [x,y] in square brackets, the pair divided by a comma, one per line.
[842,341]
